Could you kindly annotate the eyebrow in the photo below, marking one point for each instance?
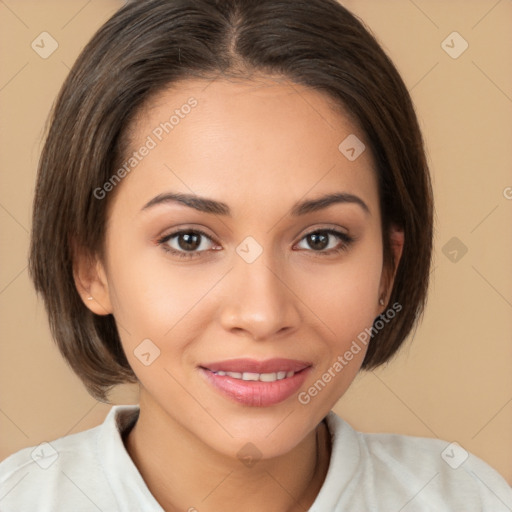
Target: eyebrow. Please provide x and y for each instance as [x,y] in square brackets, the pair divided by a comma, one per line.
[211,206]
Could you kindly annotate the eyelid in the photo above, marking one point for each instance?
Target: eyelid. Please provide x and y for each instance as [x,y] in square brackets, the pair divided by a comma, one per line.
[326,227]
[167,233]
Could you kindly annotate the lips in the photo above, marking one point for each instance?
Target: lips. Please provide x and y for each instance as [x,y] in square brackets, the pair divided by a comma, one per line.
[256,383]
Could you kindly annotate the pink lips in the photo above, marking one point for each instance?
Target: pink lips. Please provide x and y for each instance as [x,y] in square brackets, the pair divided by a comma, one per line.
[257,393]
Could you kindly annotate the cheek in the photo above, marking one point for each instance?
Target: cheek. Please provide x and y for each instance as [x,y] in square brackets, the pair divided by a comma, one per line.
[153,297]
[345,296]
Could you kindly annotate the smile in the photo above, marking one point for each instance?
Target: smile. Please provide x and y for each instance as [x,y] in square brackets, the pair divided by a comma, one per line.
[256,383]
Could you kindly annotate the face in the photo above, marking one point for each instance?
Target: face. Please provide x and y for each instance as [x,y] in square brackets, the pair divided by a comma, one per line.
[231,307]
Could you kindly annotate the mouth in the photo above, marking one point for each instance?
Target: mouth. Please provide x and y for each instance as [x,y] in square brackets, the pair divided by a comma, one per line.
[256,383]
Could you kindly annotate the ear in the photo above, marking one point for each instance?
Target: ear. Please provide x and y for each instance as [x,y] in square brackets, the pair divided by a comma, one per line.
[91,282]
[396,240]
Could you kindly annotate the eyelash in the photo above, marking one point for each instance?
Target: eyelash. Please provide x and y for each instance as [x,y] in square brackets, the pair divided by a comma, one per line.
[343,237]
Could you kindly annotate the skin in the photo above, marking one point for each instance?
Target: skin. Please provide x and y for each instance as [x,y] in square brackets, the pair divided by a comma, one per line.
[259,146]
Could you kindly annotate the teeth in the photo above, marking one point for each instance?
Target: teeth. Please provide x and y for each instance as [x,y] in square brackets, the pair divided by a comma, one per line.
[268,377]
[262,377]
[250,376]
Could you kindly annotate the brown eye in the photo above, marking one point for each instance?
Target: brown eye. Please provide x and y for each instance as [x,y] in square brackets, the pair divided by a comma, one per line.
[318,241]
[322,239]
[186,243]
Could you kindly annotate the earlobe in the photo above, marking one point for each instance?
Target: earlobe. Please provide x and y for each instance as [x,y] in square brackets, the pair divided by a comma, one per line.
[92,284]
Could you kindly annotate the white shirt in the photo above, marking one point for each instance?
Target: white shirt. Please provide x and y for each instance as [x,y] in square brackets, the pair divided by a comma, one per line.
[92,471]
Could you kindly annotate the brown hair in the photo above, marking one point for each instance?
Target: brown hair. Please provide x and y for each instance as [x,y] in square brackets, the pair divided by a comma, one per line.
[150,44]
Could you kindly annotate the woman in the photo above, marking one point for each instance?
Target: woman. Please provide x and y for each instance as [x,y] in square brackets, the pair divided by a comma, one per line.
[234,210]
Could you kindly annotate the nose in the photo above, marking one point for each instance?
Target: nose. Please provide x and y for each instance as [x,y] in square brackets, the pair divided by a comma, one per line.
[259,301]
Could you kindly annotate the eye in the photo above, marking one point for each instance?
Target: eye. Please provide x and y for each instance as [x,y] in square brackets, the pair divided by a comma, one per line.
[186,243]
[323,239]
[190,243]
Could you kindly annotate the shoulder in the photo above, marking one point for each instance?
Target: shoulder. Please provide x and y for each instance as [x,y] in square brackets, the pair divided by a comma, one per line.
[425,473]
[69,469]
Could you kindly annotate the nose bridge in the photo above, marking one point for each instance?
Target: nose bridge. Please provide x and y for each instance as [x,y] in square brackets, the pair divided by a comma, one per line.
[259,300]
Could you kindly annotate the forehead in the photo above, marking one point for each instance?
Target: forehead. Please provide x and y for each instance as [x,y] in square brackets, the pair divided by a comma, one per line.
[240,140]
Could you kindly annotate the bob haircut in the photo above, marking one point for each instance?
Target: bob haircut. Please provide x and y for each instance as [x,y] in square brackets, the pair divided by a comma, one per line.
[150,45]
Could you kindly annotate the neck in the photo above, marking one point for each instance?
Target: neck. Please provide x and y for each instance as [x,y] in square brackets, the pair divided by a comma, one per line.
[183,473]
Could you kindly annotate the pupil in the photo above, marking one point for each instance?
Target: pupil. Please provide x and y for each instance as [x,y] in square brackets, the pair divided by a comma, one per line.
[191,241]
[318,241]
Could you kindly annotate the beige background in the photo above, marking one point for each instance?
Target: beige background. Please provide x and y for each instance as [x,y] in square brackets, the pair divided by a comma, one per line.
[454,380]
